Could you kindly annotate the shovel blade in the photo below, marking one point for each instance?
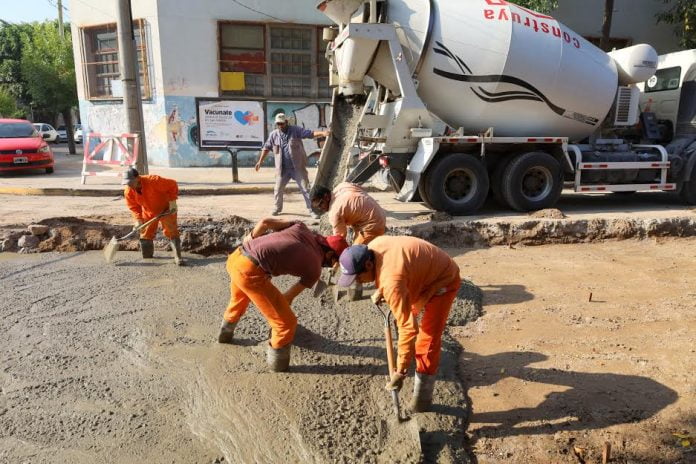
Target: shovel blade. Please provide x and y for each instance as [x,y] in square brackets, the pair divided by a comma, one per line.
[110,250]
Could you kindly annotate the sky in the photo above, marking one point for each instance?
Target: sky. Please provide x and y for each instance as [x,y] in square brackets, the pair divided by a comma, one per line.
[18,11]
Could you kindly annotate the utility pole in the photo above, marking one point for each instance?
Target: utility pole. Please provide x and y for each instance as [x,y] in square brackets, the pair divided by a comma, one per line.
[132,100]
[606,25]
[61,31]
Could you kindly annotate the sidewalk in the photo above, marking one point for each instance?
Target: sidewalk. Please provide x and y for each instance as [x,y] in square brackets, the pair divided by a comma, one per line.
[67,180]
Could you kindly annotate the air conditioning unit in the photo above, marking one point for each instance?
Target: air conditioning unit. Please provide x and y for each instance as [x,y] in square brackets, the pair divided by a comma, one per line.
[626,106]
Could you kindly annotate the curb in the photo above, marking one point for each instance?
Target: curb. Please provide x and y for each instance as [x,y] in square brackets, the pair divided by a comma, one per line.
[75,192]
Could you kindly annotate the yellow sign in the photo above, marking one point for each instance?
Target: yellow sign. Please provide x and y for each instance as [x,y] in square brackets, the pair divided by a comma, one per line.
[231,81]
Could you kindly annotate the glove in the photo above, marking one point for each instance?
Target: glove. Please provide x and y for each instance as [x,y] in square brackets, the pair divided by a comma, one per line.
[396,381]
[172,206]
[377,297]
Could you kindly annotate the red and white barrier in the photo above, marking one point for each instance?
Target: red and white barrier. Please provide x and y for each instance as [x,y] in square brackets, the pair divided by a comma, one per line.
[109,150]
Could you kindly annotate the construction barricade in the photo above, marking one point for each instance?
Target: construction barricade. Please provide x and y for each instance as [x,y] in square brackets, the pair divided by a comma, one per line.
[114,154]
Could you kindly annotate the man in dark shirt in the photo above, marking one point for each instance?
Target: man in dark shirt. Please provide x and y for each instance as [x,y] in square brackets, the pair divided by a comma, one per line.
[276,247]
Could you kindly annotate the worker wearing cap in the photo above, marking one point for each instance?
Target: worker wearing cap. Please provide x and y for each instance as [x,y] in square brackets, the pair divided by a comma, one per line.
[147,197]
[290,159]
[276,247]
[350,206]
[412,276]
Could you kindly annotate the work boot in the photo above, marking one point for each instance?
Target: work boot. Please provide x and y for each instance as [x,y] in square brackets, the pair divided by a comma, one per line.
[278,359]
[176,248]
[147,248]
[423,386]
[227,332]
[355,291]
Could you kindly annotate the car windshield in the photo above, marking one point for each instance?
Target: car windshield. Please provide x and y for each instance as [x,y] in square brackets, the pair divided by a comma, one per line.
[11,130]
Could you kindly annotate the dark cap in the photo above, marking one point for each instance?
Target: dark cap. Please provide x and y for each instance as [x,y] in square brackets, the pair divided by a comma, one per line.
[352,262]
[129,176]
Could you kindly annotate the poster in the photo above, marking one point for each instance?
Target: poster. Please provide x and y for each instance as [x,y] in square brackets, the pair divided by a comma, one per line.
[237,123]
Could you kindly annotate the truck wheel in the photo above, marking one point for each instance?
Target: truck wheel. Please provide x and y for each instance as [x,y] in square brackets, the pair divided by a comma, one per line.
[497,182]
[422,192]
[457,184]
[532,181]
[688,191]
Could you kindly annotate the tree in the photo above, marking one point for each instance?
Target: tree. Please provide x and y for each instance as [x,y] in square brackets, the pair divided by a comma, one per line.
[8,105]
[11,78]
[541,6]
[49,71]
[681,13]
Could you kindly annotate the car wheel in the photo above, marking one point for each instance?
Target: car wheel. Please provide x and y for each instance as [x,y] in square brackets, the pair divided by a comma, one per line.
[49,170]
[457,184]
[532,181]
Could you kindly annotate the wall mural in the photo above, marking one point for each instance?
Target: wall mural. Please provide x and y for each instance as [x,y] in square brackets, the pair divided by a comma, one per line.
[172,131]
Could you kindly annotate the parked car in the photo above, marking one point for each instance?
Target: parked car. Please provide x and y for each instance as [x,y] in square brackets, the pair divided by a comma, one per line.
[62,134]
[47,131]
[22,147]
[77,133]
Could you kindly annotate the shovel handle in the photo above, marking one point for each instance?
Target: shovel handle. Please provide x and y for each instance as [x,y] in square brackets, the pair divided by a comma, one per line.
[144,224]
[390,347]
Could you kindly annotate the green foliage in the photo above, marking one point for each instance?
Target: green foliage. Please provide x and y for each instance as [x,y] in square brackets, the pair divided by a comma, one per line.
[48,68]
[541,6]
[681,13]
[11,59]
[8,105]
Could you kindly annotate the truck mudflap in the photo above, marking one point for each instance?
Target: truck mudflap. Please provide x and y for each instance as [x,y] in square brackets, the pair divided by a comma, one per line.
[427,147]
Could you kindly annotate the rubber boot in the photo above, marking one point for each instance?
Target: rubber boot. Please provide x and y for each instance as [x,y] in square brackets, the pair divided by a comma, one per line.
[355,291]
[278,359]
[423,386]
[147,248]
[227,332]
[176,248]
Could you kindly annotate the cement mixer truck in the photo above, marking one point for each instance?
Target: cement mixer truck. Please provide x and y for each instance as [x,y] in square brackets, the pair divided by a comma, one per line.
[466,98]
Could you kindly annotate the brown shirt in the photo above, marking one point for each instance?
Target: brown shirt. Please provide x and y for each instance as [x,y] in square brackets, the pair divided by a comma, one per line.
[292,251]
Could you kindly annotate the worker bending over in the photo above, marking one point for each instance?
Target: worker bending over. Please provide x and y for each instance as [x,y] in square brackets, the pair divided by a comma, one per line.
[411,275]
[276,247]
[146,197]
[350,206]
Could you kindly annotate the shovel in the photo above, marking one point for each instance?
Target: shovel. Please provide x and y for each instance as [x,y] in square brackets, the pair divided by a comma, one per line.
[408,431]
[112,247]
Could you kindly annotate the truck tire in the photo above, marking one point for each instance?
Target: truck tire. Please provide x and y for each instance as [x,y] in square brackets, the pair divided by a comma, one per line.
[422,193]
[532,181]
[457,184]
[688,190]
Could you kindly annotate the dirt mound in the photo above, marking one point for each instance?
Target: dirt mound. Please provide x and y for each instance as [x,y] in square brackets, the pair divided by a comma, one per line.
[549,213]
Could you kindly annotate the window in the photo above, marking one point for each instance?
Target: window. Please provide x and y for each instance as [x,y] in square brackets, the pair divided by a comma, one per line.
[664,79]
[101,66]
[275,61]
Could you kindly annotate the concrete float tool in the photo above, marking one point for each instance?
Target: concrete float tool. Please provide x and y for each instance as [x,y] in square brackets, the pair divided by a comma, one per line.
[112,247]
[402,418]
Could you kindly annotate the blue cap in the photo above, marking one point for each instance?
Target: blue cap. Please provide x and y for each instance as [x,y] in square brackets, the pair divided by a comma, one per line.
[352,263]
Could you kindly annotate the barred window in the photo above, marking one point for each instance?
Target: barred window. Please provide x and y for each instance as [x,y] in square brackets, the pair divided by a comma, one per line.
[273,61]
[101,61]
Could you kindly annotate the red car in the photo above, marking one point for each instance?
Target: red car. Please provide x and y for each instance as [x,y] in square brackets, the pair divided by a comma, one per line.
[21,147]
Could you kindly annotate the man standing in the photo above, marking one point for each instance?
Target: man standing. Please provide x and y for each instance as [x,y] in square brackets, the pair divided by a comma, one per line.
[290,159]
[276,247]
[146,197]
[411,275]
[350,206]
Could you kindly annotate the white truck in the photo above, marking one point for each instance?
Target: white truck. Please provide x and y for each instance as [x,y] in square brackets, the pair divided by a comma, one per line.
[467,98]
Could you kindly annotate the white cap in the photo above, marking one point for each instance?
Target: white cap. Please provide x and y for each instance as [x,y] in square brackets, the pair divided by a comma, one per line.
[281,118]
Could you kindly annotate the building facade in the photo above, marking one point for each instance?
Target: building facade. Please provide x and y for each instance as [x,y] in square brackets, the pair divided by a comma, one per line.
[265,51]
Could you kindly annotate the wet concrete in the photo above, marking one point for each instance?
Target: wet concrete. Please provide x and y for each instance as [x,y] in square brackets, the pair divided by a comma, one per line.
[119,363]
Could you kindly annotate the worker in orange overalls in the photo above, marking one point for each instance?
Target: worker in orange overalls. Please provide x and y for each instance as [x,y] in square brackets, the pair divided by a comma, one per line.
[146,197]
[350,206]
[411,275]
[276,247]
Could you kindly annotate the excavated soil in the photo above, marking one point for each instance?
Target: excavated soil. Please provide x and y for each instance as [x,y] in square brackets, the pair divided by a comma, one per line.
[119,363]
